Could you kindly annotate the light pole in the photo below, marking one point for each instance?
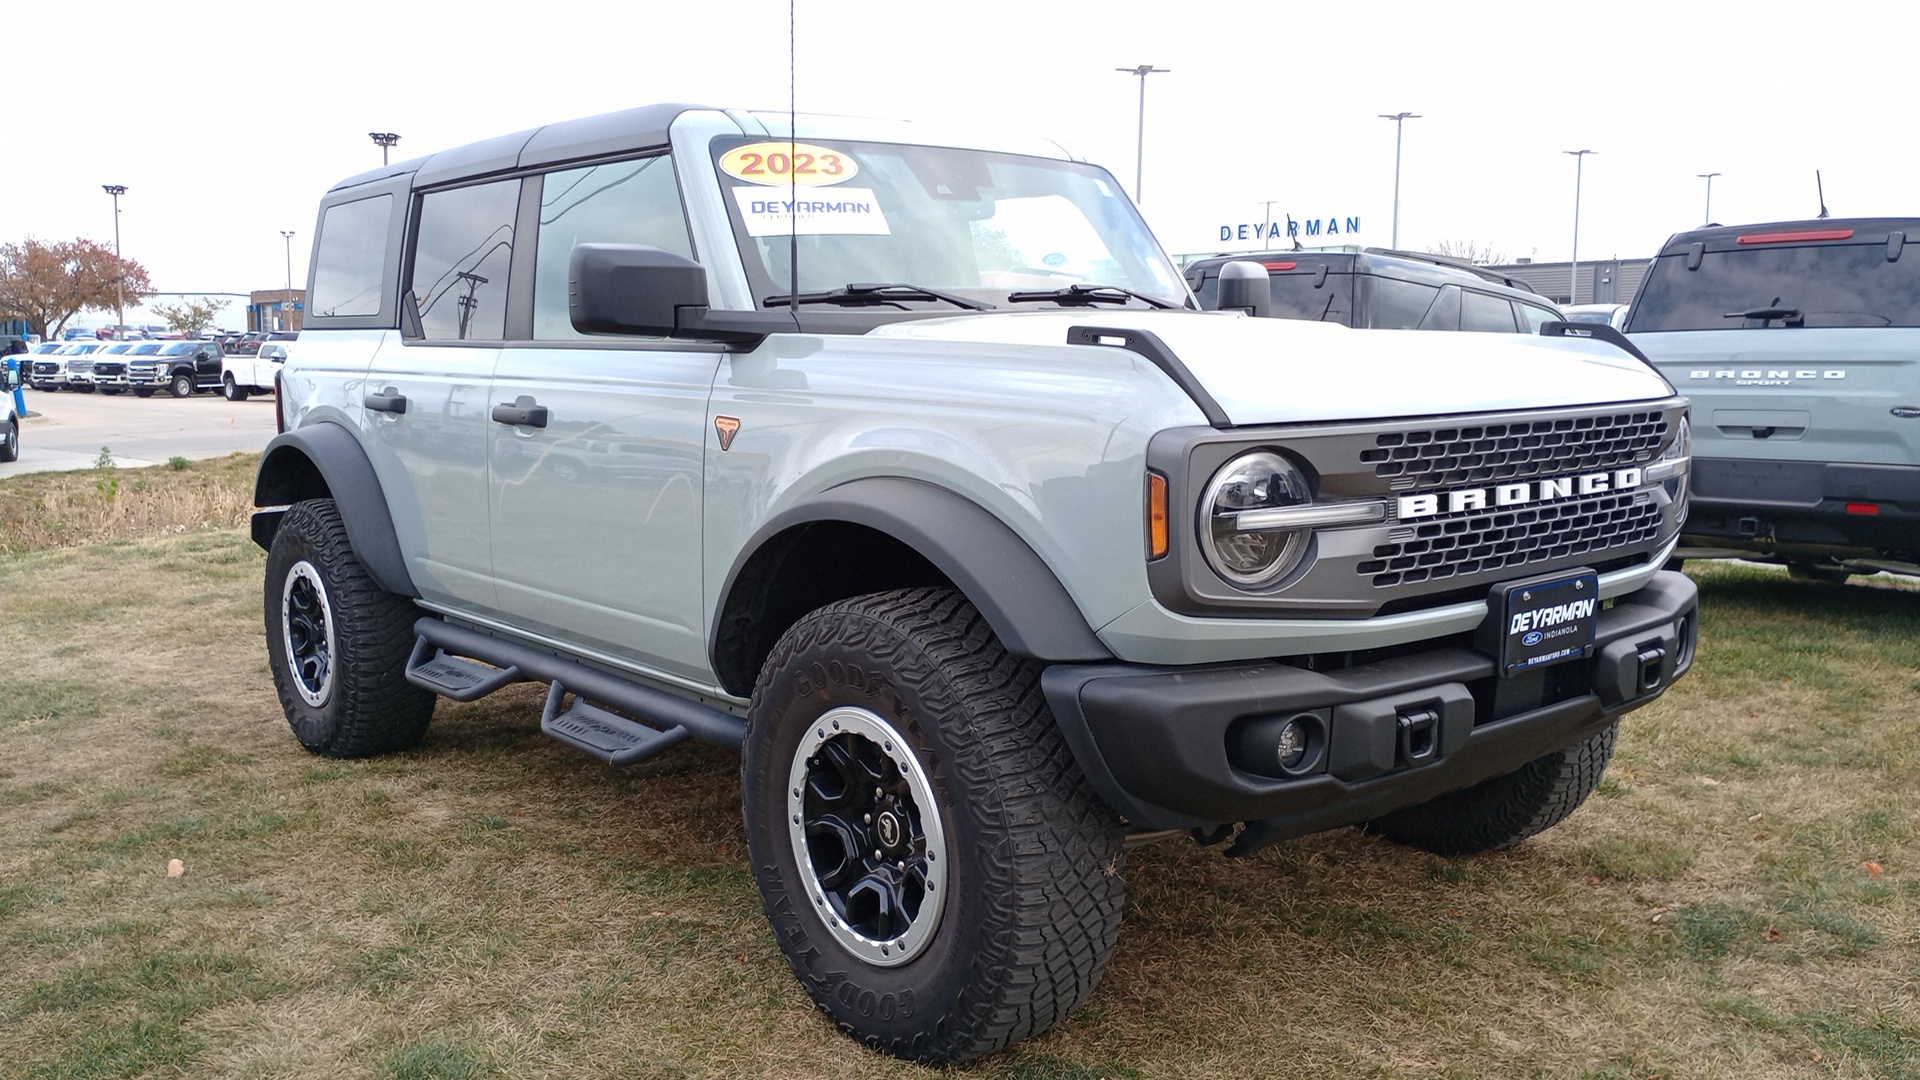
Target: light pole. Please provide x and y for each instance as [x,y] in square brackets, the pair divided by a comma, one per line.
[287,319]
[1579,162]
[1268,203]
[1399,125]
[1140,146]
[1708,177]
[119,271]
[386,139]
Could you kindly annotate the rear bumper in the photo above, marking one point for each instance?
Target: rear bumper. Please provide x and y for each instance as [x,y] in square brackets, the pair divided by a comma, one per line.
[1177,748]
[1804,508]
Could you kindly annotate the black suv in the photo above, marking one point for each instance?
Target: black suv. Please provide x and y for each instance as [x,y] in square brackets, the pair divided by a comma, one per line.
[1385,290]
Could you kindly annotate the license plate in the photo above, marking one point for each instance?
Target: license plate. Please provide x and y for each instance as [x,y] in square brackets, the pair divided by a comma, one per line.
[1545,620]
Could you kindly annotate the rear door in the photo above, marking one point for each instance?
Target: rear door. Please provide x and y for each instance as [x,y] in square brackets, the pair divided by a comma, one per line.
[426,421]
[1791,348]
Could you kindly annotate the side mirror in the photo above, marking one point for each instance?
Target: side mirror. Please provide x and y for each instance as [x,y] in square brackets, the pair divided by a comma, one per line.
[636,289]
[1245,286]
[10,379]
[631,289]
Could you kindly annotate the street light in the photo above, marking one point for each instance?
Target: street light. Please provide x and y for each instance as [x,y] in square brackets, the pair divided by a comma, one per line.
[1579,162]
[1708,177]
[386,139]
[287,320]
[119,269]
[1140,146]
[1399,125]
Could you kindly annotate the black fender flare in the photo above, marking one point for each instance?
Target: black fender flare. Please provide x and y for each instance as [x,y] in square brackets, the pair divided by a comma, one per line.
[1014,589]
[324,460]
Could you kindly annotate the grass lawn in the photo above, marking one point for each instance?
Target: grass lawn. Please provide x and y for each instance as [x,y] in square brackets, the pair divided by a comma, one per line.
[1741,899]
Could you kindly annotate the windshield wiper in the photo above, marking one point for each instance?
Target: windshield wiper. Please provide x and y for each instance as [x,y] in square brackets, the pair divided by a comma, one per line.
[1789,316]
[870,294]
[1086,296]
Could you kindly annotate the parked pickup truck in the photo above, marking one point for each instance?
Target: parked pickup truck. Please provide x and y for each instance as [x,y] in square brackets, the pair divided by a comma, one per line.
[182,367]
[987,548]
[243,374]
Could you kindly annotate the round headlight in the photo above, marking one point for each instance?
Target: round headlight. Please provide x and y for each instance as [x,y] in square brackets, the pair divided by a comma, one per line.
[1249,557]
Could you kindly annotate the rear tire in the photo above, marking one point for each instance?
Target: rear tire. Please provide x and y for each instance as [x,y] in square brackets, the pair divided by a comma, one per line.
[1507,809]
[896,724]
[338,643]
[232,390]
[1806,571]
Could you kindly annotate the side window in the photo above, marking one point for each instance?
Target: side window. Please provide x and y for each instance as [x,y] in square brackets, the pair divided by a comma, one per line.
[1445,312]
[349,269]
[1536,317]
[1486,314]
[624,202]
[1399,305]
[460,259]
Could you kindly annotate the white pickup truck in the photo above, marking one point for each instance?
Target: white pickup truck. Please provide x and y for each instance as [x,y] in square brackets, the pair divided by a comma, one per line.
[241,375]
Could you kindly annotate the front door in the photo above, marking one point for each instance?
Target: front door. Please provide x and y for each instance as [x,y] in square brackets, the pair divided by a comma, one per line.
[596,454]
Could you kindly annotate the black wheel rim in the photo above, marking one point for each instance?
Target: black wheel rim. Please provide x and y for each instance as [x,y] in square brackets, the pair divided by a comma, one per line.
[867,835]
[306,620]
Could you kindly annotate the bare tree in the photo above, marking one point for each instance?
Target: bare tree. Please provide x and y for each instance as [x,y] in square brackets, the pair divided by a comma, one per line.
[48,284]
[1469,251]
[190,317]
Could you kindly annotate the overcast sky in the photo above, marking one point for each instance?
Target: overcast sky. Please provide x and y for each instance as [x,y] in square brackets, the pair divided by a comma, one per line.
[226,121]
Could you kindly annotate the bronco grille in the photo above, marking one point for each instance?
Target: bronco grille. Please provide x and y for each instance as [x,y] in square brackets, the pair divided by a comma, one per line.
[1485,453]
[1504,539]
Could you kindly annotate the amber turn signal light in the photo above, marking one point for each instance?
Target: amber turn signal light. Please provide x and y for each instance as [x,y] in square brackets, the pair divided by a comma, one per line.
[1156,516]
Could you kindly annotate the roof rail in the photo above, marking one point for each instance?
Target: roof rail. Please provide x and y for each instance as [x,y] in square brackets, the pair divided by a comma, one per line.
[1458,264]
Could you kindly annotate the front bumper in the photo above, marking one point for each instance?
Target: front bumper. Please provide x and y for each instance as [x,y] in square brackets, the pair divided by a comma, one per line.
[149,378]
[1167,747]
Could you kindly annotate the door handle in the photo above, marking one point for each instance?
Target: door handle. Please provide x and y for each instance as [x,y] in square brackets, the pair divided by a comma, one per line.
[391,403]
[529,415]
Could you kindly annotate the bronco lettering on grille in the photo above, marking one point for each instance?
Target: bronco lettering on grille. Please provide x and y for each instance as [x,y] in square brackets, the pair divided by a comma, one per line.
[1462,500]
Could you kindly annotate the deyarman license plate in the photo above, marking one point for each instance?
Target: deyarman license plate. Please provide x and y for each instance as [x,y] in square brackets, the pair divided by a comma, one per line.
[1545,620]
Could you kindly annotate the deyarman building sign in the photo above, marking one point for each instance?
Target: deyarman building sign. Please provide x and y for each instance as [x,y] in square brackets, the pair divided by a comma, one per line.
[1304,229]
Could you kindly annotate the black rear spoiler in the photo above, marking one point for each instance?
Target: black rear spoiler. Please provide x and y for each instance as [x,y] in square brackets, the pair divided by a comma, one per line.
[1595,332]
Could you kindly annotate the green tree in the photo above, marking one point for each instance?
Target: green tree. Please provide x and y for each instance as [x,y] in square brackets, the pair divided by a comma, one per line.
[48,284]
[190,317]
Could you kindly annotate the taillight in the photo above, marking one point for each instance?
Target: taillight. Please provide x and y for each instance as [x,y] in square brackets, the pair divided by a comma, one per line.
[1280,265]
[1796,237]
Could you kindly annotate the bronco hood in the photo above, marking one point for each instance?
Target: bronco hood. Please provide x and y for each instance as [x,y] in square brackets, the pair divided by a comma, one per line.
[1274,371]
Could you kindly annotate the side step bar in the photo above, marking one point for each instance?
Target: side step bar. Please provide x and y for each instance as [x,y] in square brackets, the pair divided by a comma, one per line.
[444,658]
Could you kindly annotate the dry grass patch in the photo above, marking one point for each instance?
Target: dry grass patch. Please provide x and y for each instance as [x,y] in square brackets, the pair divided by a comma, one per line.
[62,509]
[495,905]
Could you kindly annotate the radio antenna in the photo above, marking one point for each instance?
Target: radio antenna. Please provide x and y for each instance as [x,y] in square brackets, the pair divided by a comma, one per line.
[1821,191]
[793,179]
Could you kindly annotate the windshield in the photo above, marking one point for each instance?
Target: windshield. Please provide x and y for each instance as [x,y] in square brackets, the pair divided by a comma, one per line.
[1824,285]
[177,349]
[970,222]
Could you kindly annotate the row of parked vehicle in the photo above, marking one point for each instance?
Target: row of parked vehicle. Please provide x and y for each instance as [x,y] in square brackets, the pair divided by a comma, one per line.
[181,368]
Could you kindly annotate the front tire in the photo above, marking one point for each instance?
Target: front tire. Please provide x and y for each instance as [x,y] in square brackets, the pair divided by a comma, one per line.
[1507,809]
[144,392]
[338,643]
[232,390]
[891,734]
[181,386]
[10,442]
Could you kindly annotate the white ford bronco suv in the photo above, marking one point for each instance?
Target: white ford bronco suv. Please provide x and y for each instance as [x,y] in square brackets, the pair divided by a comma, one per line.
[907,464]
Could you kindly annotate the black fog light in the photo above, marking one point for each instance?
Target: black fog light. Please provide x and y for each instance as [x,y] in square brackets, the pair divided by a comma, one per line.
[1294,744]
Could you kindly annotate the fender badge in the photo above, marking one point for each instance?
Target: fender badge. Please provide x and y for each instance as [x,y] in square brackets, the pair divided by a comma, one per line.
[1905,412]
[728,427]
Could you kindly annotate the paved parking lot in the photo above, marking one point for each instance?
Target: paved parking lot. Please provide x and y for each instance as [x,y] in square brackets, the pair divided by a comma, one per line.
[67,430]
